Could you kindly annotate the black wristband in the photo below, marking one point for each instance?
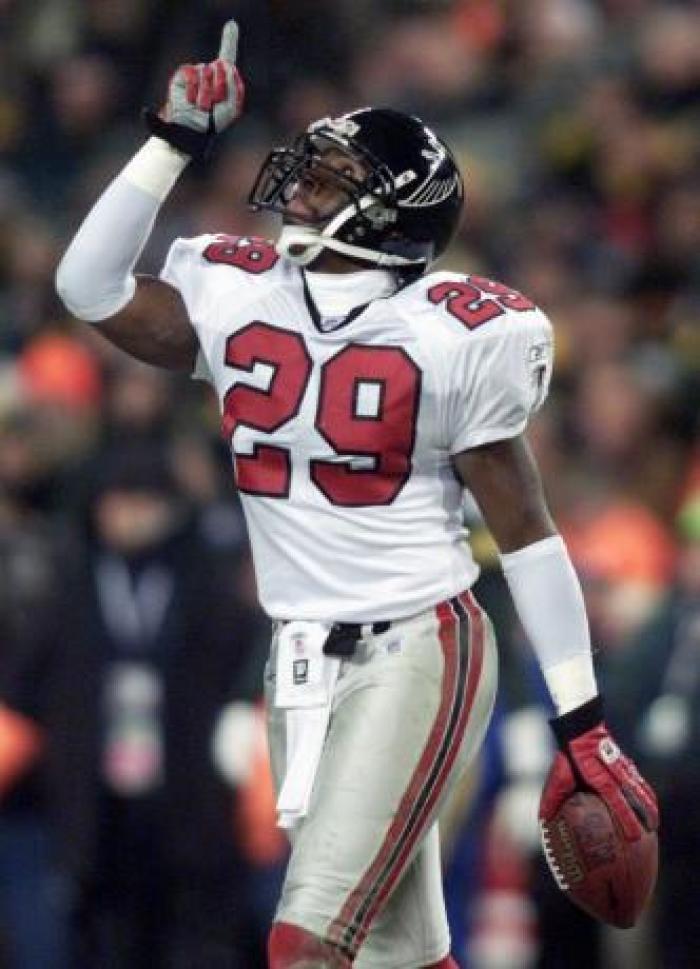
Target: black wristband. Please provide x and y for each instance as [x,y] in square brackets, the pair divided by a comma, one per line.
[196,144]
[576,722]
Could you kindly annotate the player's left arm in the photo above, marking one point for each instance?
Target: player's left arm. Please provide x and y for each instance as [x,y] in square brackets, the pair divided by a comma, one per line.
[505,481]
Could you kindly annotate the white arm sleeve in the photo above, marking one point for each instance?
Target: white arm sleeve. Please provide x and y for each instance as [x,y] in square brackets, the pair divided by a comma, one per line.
[548,599]
[95,277]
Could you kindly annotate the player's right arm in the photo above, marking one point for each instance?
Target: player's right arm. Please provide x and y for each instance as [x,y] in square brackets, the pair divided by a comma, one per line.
[143,315]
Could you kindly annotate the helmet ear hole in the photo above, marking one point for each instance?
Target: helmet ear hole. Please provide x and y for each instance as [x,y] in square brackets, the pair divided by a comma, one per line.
[379,216]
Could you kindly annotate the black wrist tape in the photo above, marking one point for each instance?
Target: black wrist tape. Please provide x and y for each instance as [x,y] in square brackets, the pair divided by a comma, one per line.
[196,144]
[576,722]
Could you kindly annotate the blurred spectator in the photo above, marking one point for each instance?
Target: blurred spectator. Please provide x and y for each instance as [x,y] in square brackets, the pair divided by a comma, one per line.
[655,693]
[621,422]
[130,695]
[29,299]
[174,641]
[58,371]
[59,385]
[139,402]
[35,899]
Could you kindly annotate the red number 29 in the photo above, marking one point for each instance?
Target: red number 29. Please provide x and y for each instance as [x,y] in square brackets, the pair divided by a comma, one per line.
[366,411]
[267,471]
[386,434]
[478,300]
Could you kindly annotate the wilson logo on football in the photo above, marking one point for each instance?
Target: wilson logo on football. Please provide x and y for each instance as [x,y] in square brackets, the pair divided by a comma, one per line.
[568,855]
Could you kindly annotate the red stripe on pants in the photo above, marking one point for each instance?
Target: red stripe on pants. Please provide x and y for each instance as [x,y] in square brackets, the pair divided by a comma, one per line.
[352,925]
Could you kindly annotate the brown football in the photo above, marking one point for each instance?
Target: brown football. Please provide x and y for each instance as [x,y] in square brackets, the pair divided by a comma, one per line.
[592,862]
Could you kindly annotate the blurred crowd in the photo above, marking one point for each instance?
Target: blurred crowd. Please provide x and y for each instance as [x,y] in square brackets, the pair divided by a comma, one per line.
[136,821]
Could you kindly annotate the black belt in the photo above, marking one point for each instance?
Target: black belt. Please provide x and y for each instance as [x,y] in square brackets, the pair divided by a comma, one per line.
[344,636]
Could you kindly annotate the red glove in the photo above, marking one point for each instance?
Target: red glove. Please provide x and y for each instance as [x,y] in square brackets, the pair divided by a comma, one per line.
[589,759]
[203,100]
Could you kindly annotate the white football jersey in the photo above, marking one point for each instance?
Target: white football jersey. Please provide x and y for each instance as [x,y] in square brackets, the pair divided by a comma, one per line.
[342,440]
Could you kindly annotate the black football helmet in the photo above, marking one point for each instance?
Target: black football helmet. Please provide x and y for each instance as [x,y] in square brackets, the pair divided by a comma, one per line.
[402,214]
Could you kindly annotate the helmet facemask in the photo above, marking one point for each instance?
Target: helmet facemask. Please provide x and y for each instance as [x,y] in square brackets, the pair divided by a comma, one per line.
[364,207]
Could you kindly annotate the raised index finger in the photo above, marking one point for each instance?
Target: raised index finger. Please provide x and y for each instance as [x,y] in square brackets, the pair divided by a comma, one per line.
[229,42]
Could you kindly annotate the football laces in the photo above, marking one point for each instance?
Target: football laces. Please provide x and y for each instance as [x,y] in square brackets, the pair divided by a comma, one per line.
[554,867]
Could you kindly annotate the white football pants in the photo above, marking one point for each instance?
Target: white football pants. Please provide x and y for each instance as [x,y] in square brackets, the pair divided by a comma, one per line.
[409,713]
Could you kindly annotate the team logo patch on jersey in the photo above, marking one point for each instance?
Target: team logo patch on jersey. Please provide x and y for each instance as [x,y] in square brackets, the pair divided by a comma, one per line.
[300,671]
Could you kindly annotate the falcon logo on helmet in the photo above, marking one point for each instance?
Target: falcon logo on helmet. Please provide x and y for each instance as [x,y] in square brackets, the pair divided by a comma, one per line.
[343,126]
[402,214]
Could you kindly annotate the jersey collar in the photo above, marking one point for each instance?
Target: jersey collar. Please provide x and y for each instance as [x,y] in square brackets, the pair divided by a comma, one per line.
[342,321]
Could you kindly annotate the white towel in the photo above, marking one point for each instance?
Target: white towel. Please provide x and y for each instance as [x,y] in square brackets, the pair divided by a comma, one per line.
[306,679]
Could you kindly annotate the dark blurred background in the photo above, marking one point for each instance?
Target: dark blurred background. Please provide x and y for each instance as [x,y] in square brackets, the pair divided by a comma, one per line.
[136,817]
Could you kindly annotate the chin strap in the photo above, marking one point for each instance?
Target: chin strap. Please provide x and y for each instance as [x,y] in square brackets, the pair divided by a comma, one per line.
[301,245]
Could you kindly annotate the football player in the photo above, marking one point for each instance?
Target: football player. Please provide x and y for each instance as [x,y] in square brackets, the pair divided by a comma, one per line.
[361,394]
